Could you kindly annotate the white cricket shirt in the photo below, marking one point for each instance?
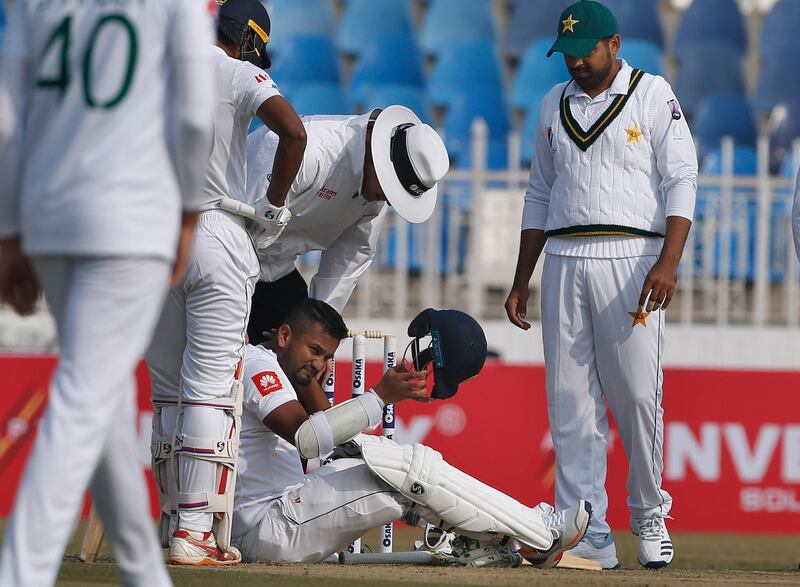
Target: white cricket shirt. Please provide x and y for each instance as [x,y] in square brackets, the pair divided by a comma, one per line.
[608,171]
[242,89]
[328,212]
[269,466]
[85,92]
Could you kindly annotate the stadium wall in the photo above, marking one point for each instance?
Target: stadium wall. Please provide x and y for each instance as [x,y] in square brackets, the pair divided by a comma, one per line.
[730,437]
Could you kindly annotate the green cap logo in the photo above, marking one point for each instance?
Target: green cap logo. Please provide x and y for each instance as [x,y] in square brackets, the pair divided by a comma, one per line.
[582,26]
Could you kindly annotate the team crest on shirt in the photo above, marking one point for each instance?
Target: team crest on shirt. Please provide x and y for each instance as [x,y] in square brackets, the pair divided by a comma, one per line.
[267,382]
[633,134]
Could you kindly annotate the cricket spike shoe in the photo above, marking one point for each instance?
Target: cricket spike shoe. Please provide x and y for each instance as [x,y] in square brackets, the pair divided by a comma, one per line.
[200,549]
[568,527]
[655,545]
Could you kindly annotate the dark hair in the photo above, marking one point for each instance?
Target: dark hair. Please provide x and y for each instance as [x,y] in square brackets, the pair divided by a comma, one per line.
[312,310]
[230,31]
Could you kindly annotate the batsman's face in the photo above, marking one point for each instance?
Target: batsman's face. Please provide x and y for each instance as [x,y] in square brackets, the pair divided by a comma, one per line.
[591,70]
[307,352]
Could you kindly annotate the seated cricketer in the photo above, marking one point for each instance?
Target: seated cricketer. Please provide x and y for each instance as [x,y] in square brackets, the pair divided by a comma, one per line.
[282,515]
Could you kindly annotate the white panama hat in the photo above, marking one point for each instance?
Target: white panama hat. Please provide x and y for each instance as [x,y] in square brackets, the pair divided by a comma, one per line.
[409,158]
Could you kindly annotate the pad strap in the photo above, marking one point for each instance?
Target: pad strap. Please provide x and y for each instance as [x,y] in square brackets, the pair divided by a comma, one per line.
[323,433]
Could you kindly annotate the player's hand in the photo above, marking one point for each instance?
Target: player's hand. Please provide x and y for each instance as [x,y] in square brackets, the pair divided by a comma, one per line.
[398,384]
[184,250]
[516,308]
[18,284]
[326,372]
[659,285]
[272,220]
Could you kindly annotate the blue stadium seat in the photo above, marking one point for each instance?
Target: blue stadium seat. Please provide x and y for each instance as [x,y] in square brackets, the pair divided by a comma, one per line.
[720,116]
[776,83]
[305,60]
[784,131]
[536,75]
[779,30]
[2,22]
[294,18]
[530,20]
[637,19]
[364,21]
[449,21]
[411,97]
[528,135]
[393,60]
[462,67]
[320,99]
[480,102]
[711,70]
[711,21]
[644,55]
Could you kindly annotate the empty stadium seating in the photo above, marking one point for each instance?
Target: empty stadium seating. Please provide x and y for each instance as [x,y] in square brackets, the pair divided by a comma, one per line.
[530,20]
[372,70]
[320,99]
[536,74]
[450,21]
[305,60]
[463,67]
[364,21]
[711,70]
[411,97]
[724,115]
[299,18]
[481,102]
[711,21]
[638,19]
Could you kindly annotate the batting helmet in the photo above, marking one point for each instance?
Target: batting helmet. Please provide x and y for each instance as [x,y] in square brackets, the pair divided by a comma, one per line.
[457,349]
[245,24]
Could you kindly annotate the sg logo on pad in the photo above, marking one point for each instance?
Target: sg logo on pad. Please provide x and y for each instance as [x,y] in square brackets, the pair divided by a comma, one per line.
[267,382]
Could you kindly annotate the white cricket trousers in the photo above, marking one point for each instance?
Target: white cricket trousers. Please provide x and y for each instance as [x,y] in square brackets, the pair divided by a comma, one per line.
[595,355]
[338,503]
[105,310]
[199,341]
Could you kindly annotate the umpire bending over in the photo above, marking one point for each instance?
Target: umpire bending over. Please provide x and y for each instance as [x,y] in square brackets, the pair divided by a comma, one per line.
[611,197]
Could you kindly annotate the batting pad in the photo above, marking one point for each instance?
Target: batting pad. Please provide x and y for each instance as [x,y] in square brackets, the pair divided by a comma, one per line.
[459,502]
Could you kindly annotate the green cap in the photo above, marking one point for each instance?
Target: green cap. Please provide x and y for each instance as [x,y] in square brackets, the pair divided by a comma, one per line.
[581,26]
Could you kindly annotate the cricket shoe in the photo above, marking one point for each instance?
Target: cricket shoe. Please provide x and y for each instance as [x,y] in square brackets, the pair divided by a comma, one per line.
[200,549]
[568,527]
[655,545]
[603,551]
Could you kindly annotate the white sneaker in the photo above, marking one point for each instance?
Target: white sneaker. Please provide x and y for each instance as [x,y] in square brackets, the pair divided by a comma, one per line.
[568,527]
[603,551]
[200,548]
[655,545]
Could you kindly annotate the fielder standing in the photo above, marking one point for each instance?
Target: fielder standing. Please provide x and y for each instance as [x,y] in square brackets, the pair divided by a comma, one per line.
[90,207]
[352,166]
[610,200]
[199,342]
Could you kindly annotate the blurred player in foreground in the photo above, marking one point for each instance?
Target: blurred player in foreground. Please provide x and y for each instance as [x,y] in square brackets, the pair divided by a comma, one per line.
[352,166]
[199,342]
[105,126]
[284,516]
[612,191]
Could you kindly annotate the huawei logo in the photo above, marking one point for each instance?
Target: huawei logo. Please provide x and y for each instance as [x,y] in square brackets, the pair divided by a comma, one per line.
[267,382]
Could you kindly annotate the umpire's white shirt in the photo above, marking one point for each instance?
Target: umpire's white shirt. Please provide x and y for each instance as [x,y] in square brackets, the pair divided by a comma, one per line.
[242,89]
[641,168]
[268,466]
[328,212]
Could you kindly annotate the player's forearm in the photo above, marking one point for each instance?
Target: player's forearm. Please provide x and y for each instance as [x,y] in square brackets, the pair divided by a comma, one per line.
[288,157]
[675,239]
[531,244]
[312,398]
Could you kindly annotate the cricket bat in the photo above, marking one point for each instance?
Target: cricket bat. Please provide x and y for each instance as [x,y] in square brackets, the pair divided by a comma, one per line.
[92,537]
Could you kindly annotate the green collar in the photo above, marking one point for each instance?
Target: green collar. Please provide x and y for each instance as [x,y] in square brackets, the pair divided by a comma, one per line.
[585,138]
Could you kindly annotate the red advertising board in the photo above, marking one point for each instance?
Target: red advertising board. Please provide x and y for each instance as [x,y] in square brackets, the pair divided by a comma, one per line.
[732,439]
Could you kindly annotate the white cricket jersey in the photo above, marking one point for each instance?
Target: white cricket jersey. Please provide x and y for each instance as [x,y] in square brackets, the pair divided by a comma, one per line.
[610,169]
[85,162]
[242,89]
[269,466]
[328,212]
